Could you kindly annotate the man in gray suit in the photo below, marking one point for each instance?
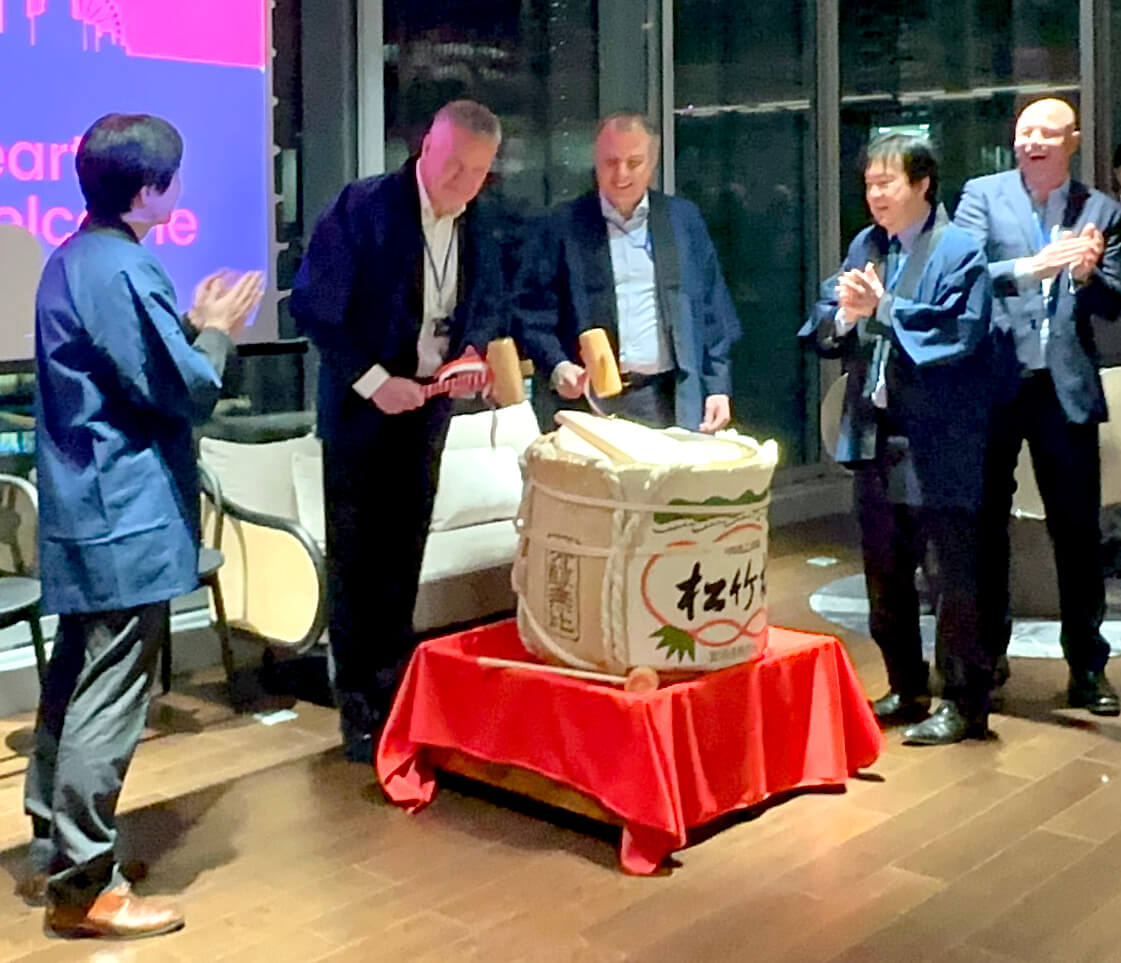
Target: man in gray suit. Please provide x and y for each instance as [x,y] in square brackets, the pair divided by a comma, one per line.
[1054,250]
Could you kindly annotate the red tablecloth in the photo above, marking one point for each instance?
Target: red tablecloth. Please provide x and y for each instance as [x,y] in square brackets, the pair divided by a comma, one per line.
[664,761]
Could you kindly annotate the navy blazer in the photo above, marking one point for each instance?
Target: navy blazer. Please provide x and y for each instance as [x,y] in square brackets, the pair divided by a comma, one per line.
[118,389]
[997,210]
[938,369]
[567,285]
[359,294]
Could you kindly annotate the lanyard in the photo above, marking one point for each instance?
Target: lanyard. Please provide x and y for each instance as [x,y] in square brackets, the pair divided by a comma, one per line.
[439,277]
[1040,234]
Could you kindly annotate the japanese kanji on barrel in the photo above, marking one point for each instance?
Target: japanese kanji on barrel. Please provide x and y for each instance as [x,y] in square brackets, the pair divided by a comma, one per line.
[658,563]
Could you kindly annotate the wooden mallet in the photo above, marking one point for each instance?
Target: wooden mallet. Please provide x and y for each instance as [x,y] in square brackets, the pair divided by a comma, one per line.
[599,362]
[639,680]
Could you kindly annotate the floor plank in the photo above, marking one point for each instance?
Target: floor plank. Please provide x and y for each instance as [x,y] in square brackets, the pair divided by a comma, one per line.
[1004,851]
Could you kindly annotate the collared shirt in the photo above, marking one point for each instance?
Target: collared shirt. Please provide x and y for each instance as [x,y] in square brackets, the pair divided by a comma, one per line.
[441,292]
[1047,223]
[643,343]
[441,282]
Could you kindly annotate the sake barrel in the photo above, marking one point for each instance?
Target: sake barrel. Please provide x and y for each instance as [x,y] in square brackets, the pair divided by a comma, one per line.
[649,550]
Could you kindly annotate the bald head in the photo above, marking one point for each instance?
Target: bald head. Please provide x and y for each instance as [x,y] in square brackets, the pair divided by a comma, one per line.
[1046,138]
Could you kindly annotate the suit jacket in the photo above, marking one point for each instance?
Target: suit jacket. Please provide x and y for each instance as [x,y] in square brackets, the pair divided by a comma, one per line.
[937,372]
[119,386]
[997,210]
[359,294]
[567,285]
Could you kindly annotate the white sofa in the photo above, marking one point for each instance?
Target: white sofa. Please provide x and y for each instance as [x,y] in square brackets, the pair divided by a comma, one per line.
[274,579]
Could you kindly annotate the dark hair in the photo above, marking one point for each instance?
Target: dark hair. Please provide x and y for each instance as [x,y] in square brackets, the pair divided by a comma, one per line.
[914,154]
[120,154]
[1117,156]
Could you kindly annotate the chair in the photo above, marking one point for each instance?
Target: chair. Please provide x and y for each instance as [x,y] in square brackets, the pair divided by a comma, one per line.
[1034,582]
[20,591]
[211,561]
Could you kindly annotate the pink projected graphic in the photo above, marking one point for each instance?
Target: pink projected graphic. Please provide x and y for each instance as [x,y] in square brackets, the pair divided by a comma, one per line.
[199,63]
[228,33]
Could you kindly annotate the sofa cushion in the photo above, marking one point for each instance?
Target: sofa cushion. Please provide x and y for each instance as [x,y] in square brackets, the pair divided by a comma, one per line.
[475,549]
[466,575]
[517,427]
[476,485]
[257,476]
[307,480]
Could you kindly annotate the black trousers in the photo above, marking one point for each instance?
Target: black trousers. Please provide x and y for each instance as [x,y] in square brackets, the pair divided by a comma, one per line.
[378,493]
[894,537]
[1067,469]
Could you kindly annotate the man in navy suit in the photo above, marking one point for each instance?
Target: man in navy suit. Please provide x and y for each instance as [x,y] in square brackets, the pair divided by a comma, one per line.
[402,273]
[641,265]
[1054,250]
[908,315]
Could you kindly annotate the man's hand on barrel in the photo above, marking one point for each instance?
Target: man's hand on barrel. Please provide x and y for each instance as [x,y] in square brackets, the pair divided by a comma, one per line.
[398,394]
[718,412]
[569,380]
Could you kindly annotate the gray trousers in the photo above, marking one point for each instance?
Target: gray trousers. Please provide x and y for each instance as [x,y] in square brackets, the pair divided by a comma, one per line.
[91,713]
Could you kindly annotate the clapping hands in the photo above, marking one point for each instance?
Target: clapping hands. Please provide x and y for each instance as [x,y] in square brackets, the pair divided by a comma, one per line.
[1079,252]
[859,292]
[224,300]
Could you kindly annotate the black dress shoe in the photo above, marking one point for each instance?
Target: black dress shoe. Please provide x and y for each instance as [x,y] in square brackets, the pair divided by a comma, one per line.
[1094,692]
[946,725]
[894,707]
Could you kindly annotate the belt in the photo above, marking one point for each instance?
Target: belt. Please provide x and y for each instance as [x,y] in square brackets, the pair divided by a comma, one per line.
[632,380]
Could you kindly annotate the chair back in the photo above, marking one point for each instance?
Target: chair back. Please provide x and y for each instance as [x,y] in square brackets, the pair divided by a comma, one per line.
[1028,503]
[1110,438]
[214,511]
[21,264]
[832,408]
[19,526]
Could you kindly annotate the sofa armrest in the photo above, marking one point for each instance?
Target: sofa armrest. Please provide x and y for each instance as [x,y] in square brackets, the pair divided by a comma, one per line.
[274,580]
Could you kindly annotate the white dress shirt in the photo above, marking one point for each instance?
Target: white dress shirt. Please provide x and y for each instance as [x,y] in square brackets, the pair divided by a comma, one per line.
[643,345]
[441,292]
[1048,218]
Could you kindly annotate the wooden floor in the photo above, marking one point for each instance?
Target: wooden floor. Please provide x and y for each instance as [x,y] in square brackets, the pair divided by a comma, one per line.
[280,851]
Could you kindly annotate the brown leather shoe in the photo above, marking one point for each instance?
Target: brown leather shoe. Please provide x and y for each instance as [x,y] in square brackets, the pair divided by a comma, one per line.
[32,888]
[116,914]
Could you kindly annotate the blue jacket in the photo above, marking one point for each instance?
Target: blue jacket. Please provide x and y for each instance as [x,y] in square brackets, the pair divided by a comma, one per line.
[997,210]
[938,370]
[119,386]
[567,285]
[359,294]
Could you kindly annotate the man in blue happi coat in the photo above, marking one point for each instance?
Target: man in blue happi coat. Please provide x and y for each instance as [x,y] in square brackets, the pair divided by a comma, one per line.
[908,315]
[121,379]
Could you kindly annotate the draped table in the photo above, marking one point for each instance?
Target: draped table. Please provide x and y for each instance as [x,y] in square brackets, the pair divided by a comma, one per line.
[660,762]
